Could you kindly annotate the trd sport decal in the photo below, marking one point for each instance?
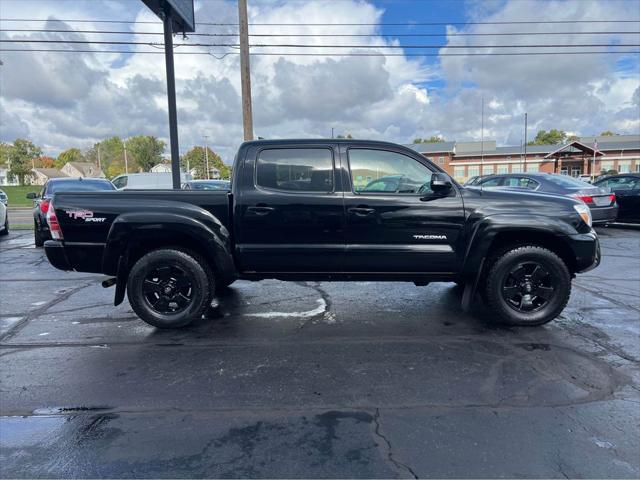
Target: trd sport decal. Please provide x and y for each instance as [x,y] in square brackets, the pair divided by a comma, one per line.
[87,215]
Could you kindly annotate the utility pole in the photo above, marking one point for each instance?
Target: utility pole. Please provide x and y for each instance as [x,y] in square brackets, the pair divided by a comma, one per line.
[245,70]
[482,139]
[206,154]
[331,132]
[171,98]
[126,162]
[99,165]
[525,142]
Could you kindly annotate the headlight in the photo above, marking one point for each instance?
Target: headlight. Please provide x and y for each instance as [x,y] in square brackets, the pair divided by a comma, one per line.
[584,212]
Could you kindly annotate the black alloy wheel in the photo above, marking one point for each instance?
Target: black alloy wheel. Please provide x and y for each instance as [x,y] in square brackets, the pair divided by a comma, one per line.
[528,287]
[168,289]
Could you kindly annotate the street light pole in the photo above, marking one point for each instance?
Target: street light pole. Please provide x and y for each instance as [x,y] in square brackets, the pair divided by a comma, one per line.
[126,162]
[171,97]
[206,154]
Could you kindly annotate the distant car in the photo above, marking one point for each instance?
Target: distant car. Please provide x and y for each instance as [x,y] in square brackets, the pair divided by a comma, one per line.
[207,185]
[3,198]
[42,199]
[4,219]
[474,180]
[394,184]
[626,188]
[600,201]
[146,181]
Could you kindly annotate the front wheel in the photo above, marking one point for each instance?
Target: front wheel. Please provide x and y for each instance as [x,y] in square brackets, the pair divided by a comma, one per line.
[528,285]
[170,288]
[6,226]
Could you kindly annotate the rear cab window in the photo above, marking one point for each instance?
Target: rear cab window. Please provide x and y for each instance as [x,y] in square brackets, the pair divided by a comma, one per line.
[295,169]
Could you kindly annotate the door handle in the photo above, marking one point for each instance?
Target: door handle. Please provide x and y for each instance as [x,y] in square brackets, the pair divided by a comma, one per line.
[260,210]
[362,211]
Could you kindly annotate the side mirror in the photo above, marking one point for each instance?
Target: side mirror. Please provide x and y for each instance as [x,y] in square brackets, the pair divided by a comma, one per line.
[440,183]
[32,195]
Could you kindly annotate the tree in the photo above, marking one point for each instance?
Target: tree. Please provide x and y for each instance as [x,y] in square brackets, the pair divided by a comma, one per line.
[69,155]
[146,150]
[46,162]
[115,168]
[432,139]
[608,133]
[21,158]
[5,151]
[105,152]
[552,137]
[195,158]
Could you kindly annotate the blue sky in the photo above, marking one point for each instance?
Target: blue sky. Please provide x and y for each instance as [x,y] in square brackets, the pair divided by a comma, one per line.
[64,100]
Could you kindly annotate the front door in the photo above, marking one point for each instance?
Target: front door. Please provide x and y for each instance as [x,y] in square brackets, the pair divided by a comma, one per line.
[394,222]
[290,214]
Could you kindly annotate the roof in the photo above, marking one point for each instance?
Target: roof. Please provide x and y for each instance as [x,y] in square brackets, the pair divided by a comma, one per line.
[50,172]
[576,146]
[87,169]
[439,147]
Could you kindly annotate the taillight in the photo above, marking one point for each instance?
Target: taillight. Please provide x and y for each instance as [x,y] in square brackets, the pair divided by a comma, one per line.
[584,198]
[52,220]
[612,197]
[44,206]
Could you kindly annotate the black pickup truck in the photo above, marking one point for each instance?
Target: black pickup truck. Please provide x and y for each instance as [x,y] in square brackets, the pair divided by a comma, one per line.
[326,210]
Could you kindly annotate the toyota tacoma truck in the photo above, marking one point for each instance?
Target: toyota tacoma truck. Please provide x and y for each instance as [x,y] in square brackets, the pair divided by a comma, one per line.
[326,210]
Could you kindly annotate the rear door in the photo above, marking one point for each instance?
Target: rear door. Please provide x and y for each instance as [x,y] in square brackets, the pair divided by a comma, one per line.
[290,213]
[627,190]
[394,222]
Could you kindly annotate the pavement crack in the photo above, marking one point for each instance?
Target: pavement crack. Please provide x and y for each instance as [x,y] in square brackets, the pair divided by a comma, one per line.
[398,464]
[39,311]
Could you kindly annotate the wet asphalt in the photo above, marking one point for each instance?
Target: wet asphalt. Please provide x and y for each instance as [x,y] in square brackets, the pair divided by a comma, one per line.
[317,380]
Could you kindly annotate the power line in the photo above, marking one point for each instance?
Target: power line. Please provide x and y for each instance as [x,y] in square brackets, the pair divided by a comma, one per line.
[293,54]
[295,45]
[455,34]
[407,24]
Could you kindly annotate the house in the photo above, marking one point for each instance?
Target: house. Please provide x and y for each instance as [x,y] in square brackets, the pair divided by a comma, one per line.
[464,160]
[82,169]
[166,168]
[4,178]
[41,175]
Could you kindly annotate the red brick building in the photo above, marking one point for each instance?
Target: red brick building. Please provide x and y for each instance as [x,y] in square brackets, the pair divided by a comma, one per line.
[463,160]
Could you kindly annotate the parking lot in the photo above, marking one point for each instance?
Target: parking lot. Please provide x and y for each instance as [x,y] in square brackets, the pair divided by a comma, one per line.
[318,380]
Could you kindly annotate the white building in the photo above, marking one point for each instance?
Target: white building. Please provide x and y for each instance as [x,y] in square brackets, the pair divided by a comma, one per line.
[4,178]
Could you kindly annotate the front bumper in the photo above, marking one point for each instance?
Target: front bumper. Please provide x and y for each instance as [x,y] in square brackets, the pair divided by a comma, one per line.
[586,248]
[56,255]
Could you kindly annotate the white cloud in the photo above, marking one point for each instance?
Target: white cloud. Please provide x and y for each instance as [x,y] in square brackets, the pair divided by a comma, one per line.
[63,100]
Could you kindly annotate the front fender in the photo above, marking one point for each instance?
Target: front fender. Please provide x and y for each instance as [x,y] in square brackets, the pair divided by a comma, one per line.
[484,231]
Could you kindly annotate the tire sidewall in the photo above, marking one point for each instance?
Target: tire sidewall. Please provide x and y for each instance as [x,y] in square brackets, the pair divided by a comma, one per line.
[197,275]
[552,263]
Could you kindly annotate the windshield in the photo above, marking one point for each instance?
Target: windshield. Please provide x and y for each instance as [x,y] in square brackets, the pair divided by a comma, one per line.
[79,186]
[566,181]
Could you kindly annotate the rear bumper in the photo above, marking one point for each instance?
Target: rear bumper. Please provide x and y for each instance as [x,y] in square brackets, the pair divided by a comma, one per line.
[605,214]
[56,255]
[586,248]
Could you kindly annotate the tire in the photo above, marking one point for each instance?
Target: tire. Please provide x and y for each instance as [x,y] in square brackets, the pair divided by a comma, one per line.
[527,286]
[6,227]
[169,288]
[37,236]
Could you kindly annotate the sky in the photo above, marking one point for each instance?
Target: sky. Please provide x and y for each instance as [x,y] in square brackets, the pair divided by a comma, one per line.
[64,100]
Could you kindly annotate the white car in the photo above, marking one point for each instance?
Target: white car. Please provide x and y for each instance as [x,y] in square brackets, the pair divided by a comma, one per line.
[4,220]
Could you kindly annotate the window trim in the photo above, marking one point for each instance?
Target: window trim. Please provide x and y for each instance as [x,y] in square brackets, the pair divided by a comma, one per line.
[351,186]
[296,147]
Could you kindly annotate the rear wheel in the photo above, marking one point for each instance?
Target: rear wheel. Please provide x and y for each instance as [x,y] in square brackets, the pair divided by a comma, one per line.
[37,236]
[169,288]
[527,285]
[5,231]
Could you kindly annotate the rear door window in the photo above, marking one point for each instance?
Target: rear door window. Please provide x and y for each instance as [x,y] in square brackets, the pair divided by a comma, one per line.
[295,169]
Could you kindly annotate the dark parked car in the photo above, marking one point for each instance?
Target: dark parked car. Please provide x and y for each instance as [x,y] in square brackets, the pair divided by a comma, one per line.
[600,201]
[207,185]
[626,188]
[474,180]
[295,212]
[42,200]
